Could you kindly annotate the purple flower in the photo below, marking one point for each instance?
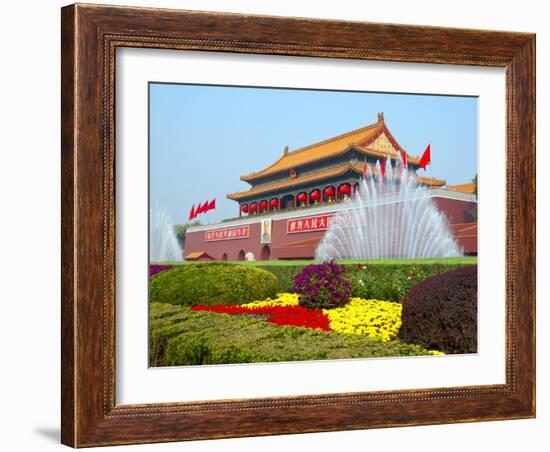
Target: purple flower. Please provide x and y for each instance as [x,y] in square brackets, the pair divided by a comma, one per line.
[154,269]
[322,286]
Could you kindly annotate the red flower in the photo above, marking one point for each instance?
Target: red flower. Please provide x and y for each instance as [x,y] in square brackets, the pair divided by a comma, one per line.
[278,315]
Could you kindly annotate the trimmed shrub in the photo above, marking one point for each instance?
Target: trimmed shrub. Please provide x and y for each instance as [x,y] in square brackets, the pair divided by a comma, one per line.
[441,312]
[212,284]
[180,336]
[322,286]
[284,273]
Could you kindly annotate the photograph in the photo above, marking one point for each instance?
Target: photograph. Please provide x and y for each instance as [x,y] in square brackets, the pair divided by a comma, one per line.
[292,224]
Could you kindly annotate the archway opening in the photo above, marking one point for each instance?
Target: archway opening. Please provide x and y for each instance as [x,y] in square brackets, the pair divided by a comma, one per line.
[241,255]
[224,256]
[266,253]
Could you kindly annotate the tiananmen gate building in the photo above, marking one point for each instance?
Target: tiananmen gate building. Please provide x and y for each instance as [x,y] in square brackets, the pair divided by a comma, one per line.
[291,203]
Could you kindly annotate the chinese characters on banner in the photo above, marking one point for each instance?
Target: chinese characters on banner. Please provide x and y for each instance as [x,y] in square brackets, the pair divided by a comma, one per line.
[241,232]
[318,223]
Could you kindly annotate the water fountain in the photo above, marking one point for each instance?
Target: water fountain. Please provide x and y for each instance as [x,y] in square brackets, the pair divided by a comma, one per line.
[163,244]
[392,216]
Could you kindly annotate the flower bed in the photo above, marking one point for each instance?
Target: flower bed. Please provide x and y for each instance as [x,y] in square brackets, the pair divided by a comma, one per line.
[373,318]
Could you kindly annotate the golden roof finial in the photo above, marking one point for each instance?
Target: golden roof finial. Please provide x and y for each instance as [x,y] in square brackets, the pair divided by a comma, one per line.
[285,152]
[381,117]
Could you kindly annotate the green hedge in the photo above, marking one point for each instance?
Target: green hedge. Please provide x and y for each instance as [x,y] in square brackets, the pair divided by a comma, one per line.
[211,284]
[180,336]
[284,274]
[371,281]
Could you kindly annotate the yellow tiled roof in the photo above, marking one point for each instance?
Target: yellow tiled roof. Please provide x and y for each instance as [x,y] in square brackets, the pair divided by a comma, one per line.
[430,181]
[198,255]
[321,175]
[463,188]
[358,139]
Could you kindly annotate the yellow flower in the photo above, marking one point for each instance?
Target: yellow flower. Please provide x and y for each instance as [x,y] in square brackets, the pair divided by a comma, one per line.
[375,318]
[283,299]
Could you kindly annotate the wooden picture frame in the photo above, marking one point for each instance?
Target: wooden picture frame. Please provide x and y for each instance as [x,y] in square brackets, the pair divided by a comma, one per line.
[90,36]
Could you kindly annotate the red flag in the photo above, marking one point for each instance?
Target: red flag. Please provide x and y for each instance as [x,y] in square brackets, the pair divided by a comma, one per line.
[211,205]
[383,167]
[426,158]
[200,208]
[192,213]
[404,158]
[365,170]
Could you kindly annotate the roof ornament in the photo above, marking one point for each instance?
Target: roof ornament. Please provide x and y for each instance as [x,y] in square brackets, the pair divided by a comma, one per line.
[285,152]
[381,117]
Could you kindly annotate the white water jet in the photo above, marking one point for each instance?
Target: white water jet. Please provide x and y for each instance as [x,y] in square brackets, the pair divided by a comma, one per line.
[392,216]
[163,244]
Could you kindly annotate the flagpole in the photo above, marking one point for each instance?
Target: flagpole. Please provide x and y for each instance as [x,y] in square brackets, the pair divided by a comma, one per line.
[431,173]
[430,165]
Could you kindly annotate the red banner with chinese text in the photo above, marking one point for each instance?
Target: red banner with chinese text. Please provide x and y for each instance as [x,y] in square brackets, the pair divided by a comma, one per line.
[309,224]
[240,232]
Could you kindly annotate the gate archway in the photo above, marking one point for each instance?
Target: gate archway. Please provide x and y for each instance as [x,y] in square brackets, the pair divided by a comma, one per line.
[266,253]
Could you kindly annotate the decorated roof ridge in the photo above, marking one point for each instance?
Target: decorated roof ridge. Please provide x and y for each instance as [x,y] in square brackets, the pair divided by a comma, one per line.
[356,166]
[287,153]
[414,159]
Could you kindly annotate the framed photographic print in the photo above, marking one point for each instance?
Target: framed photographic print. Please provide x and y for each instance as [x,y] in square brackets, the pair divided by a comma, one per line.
[281,225]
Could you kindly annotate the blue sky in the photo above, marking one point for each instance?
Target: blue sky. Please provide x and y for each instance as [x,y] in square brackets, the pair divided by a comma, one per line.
[203,138]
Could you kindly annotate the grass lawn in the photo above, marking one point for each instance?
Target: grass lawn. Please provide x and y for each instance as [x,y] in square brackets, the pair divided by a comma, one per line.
[464,260]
